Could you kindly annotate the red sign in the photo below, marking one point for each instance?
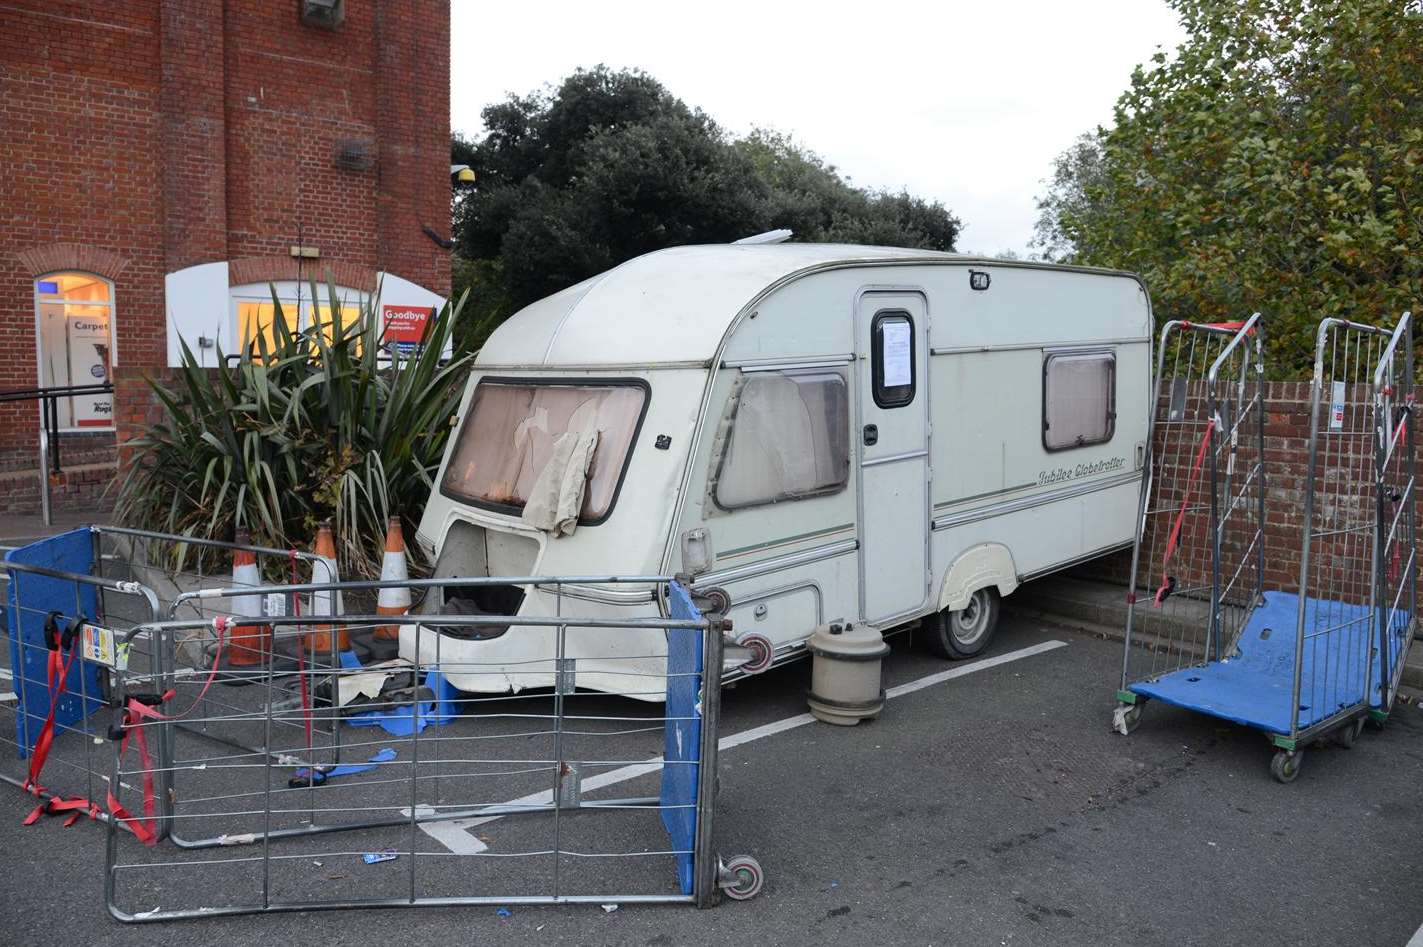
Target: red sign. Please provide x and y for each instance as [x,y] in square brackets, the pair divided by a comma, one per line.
[406,323]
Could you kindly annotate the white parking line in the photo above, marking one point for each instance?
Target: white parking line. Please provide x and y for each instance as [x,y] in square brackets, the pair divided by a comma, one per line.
[453,834]
[1417,939]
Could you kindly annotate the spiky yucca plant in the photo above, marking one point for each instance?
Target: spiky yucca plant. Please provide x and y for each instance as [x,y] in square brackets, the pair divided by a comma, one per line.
[303,428]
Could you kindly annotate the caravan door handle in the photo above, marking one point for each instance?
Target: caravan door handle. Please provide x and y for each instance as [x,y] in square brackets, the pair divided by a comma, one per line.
[871,434]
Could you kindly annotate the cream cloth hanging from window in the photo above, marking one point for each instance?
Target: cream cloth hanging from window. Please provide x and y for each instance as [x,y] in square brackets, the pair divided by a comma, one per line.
[556,496]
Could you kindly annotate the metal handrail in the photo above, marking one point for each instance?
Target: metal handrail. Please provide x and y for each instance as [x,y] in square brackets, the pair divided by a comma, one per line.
[49,428]
[55,391]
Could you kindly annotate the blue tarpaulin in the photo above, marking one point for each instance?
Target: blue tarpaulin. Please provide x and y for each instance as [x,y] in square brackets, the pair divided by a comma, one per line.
[400,721]
[682,753]
[31,599]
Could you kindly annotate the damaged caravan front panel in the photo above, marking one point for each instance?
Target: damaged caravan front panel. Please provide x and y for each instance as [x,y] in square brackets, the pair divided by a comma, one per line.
[477,513]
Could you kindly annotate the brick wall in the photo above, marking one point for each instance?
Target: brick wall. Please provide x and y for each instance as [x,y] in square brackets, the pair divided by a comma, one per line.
[79,90]
[1286,467]
[153,135]
[413,125]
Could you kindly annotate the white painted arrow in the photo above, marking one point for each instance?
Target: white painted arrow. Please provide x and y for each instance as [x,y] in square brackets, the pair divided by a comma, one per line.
[454,834]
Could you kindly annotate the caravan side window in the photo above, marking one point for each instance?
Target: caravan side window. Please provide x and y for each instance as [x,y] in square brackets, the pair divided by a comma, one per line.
[790,439]
[1079,399]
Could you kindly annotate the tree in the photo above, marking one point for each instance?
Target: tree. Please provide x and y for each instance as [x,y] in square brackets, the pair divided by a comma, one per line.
[808,196]
[1075,172]
[610,165]
[1274,163]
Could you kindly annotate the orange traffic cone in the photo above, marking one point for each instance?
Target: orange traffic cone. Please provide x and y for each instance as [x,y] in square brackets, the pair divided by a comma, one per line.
[327,602]
[248,643]
[393,568]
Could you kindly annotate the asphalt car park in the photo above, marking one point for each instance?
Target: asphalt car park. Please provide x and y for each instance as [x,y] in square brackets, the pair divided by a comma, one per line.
[989,804]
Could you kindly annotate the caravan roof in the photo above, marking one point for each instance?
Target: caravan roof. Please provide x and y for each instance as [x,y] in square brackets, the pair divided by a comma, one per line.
[673,305]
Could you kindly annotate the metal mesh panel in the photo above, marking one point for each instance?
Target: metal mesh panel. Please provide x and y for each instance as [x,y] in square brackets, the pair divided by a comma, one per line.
[387,779]
[1197,564]
[1357,571]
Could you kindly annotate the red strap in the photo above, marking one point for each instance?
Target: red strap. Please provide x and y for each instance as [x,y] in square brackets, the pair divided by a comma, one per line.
[144,829]
[57,678]
[1174,538]
[57,674]
[300,659]
[1229,326]
[135,712]
[78,806]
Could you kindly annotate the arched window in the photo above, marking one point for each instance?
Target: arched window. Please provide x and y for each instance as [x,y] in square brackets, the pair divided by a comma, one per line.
[74,321]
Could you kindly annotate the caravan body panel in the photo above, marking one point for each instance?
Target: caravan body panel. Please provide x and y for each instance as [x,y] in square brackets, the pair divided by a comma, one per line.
[794,453]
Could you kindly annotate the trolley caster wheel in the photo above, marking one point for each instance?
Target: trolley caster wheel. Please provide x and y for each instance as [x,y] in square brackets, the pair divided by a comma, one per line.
[718,601]
[741,878]
[1348,735]
[1126,718]
[1285,764]
[762,652]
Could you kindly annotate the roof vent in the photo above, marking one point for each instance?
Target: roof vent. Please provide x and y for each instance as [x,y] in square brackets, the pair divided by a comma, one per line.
[355,154]
[327,14]
[770,236]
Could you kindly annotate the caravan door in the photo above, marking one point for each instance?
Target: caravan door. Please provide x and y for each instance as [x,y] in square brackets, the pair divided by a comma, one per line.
[891,336]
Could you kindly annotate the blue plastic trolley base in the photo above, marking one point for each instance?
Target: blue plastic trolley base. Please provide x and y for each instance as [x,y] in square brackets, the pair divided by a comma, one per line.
[1255,685]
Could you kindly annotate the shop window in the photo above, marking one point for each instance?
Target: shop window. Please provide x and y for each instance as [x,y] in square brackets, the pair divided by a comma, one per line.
[789,440]
[347,316]
[258,320]
[1079,399]
[75,326]
[255,313]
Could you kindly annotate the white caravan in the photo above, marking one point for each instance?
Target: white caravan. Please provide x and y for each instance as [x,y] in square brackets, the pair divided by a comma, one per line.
[826,432]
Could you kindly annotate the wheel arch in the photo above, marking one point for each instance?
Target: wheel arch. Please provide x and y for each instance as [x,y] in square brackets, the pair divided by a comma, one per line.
[987,564]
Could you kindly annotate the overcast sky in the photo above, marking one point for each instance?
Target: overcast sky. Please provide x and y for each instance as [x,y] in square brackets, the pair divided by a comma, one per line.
[962,102]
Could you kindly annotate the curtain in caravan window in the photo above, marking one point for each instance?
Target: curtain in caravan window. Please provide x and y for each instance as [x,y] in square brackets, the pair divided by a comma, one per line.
[1079,399]
[789,439]
[509,434]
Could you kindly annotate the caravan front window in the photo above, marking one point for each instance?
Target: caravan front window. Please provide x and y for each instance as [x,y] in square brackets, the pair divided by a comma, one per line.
[510,428]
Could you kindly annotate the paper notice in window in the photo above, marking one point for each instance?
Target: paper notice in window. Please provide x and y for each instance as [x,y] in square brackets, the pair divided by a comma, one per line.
[897,353]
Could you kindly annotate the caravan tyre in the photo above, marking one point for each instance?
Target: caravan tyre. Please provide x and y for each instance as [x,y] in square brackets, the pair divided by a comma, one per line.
[964,633]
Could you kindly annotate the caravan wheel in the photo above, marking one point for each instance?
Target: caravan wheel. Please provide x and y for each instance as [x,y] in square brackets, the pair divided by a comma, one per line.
[966,632]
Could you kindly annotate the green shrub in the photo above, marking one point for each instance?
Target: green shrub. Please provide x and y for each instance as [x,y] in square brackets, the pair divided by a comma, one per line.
[300,430]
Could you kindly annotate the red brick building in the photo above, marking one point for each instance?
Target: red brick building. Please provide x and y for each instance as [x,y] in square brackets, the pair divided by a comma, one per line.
[163,161]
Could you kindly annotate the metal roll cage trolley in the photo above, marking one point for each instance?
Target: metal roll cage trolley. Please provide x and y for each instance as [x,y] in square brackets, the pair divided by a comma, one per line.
[229,783]
[1301,664]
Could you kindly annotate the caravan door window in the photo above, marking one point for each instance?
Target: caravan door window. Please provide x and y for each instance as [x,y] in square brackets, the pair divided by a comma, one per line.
[509,431]
[892,358]
[1079,399]
[790,439]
